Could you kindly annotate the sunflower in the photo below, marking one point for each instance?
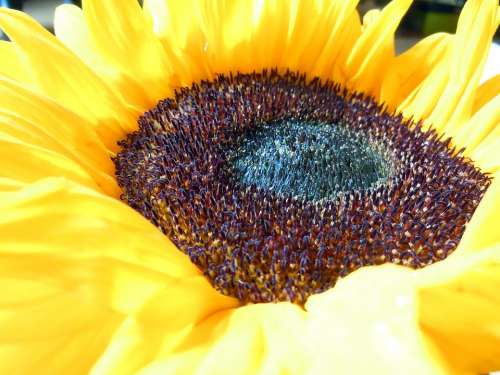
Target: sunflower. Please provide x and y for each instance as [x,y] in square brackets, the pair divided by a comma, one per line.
[247,187]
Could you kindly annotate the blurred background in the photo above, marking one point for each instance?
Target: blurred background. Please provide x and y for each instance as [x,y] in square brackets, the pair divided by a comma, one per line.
[424,17]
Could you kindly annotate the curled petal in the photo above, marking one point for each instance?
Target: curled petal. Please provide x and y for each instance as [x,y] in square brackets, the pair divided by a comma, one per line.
[458,310]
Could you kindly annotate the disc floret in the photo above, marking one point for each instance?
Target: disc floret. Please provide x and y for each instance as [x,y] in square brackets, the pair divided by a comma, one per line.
[276,186]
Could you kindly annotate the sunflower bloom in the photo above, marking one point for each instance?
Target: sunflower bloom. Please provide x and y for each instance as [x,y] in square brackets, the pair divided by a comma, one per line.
[247,187]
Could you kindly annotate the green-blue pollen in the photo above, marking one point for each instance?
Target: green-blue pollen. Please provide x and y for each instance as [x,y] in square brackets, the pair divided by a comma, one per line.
[310,161]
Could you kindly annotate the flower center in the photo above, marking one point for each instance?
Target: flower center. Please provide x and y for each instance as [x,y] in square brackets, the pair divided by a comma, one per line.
[276,186]
[308,160]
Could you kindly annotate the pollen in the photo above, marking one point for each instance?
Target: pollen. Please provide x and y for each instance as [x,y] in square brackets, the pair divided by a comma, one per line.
[308,160]
[276,185]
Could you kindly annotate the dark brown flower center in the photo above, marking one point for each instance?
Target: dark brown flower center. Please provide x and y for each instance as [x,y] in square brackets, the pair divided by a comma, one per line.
[276,186]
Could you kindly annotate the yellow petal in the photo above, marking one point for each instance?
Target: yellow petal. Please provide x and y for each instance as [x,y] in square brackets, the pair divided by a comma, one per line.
[374,50]
[159,14]
[77,224]
[274,26]
[239,35]
[216,30]
[249,36]
[58,73]
[178,25]
[487,155]
[33,119]
[253,339]
[445,98]
[458,308]
[367,324]
[71,29]
[11,65]
[479,126]
[467,69]
[49,328]
[270,337]
[409,69]
[486,92]
[349,37]
[9,184]
[73,263]
[345,30]
[415,106]
[128,42]
[370,17]
[482,231]
[184,363]
[183,316]
[318,36]
[28,163]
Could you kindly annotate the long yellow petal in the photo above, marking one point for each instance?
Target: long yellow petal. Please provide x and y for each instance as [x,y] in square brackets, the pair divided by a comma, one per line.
[128,42]
[410,68]
[479,126]
[341,38]
[457,103]
[28,163]
[445,98]
[458,309]
[71,29]
[318,36]
[10,185]
[159,14]
[370,17]
[178,25]
[73,263]
[57,211]
[243,36]
[20,138]
[11,65]
[482,231]
[486,154]
[486,92]
[239,35]
[228,39]
[59,74]
[36,120]
[44,324]
[374,50]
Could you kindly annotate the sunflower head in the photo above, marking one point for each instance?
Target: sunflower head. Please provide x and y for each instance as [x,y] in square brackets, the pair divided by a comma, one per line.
[247,187]
[276,186]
